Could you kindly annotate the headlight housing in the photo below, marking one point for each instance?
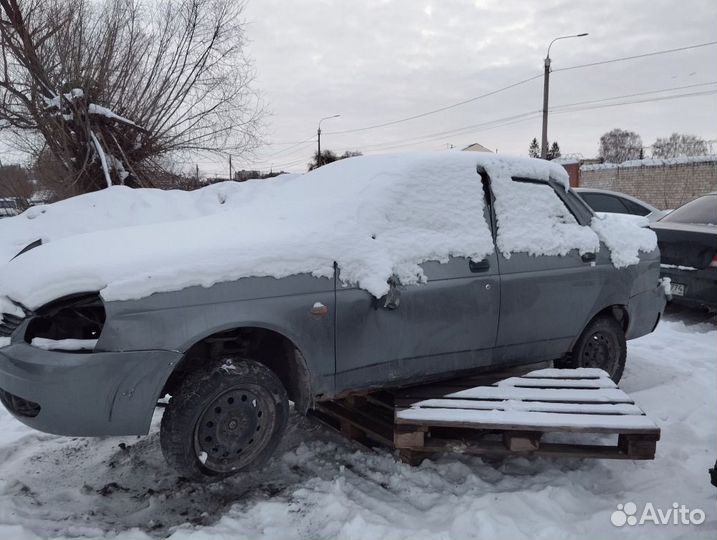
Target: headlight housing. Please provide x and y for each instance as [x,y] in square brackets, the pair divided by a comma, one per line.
[75,317]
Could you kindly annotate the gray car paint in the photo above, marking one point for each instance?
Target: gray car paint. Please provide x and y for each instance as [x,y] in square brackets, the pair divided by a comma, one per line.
[520,309]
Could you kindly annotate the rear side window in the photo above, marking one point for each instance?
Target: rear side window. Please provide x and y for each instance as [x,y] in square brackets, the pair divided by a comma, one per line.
[700,211]
[531,218]
[635,209]
[601,202]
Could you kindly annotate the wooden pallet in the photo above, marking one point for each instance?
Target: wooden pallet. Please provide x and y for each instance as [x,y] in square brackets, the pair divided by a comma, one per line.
[501,414]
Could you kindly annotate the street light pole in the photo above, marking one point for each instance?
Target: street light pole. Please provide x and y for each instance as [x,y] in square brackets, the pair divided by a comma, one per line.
[318,139]
[546,89]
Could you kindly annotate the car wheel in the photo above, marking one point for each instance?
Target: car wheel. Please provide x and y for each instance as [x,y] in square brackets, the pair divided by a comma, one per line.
[224,419]
[602,345]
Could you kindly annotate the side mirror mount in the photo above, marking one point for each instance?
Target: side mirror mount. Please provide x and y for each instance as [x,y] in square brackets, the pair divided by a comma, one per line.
[393,297]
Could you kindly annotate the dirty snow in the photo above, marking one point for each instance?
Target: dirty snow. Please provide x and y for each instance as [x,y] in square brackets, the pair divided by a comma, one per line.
[321,486]
[377,216]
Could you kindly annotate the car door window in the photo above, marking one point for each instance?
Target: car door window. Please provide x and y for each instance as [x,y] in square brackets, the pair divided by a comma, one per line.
[601,202]
[531,218]
[634,208]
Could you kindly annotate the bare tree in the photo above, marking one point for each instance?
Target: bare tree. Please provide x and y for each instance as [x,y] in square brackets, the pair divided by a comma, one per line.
[620,145]
[110,89]
[16,183]
[679,145]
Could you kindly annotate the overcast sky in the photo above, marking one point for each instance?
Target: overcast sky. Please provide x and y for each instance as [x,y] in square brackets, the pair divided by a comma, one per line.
[375,61]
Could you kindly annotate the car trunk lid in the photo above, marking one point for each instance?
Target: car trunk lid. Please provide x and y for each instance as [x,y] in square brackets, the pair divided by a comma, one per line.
[683,244]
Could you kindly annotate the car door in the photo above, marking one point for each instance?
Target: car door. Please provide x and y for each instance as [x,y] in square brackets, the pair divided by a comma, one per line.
[546,299]
[444,325]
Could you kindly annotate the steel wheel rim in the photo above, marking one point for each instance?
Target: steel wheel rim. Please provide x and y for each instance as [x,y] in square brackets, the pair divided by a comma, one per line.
[234,428]
[600,351]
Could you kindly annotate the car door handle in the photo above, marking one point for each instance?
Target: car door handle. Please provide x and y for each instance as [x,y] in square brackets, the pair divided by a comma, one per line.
[588,257]
[479,266]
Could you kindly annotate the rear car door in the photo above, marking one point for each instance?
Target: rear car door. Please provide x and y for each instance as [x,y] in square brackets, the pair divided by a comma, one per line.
[550,266]
[442,326]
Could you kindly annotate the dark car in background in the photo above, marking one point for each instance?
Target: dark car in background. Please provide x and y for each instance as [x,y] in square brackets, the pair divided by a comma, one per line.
[687,238]
[614,202]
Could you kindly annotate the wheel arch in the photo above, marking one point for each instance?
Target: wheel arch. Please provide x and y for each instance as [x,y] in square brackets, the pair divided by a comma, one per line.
[256,341]
[616,311]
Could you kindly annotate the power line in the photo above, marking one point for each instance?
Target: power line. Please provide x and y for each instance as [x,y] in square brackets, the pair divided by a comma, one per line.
[297,146]
[635,101]
[644,55]
[441,109]
[569,107]
[633,95]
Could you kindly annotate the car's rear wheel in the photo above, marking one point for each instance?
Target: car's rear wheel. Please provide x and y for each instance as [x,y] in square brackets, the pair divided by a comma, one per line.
[601,345]
[224,419]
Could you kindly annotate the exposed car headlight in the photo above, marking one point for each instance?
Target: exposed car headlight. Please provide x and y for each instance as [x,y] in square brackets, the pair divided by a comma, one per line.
[71,323]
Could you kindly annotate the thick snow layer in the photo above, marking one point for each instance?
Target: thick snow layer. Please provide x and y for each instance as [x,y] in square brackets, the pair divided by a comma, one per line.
[624,237]
[377,216]
[116,207]
[532,219]
[321,486]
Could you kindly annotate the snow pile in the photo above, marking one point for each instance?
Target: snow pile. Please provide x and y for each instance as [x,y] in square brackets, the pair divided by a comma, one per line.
[625,237]
[116,207]
[650,162]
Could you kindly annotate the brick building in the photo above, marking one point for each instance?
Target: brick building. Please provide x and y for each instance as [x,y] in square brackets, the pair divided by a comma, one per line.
[664,183]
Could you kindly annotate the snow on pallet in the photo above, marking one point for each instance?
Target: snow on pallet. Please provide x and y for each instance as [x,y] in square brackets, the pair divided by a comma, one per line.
[500,414]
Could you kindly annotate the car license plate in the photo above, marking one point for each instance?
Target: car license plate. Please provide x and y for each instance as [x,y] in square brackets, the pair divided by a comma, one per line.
[678,289]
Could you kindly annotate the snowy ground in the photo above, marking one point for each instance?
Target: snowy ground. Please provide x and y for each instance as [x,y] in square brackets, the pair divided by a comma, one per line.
[321,486]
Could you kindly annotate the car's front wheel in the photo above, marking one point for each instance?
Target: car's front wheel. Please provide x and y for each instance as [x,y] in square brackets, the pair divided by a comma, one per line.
[601,345]
[223,419]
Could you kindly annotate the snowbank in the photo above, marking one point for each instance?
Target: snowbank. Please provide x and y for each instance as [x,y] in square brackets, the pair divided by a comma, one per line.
[376,216]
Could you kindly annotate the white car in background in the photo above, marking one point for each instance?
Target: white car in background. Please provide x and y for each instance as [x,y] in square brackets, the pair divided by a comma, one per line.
[614,202]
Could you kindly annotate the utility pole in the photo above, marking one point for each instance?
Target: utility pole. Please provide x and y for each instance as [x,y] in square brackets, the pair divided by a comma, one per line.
[546,88]
[318,139]
[197,171]
[230,167]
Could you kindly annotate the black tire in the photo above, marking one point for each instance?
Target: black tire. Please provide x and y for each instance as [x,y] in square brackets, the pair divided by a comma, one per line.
[224,419]
[601,345]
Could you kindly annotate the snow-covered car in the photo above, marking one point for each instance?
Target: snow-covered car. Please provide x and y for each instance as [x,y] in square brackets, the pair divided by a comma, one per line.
[614,202]
[687,238]
[370,272]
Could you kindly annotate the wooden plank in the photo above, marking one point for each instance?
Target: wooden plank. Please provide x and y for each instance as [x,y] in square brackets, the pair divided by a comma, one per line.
[374,428]
[597,395]
[521,441]
[638,446]
[541,382]
[574,373]
[538,406]
[556,450]
[527,421]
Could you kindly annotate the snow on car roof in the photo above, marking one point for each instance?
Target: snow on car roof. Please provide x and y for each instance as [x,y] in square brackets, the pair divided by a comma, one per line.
[376,216]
